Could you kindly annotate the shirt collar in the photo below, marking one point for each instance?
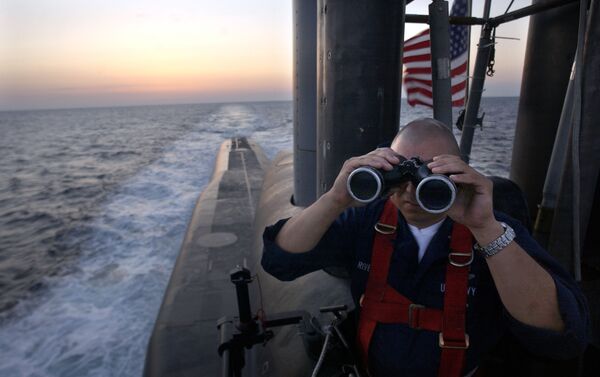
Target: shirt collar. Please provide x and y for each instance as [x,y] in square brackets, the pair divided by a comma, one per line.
[427,231]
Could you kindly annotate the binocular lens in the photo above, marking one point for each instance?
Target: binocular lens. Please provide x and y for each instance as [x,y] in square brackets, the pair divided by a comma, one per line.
[364,184]
[436,193]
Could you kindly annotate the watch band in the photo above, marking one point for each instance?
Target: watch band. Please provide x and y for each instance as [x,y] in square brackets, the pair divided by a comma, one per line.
[498,244]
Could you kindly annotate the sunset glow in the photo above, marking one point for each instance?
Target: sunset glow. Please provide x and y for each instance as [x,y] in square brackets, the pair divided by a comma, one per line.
[54,51]
[71,53]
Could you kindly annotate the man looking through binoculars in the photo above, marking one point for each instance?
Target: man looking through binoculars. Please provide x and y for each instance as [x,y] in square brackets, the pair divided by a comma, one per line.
[512,284]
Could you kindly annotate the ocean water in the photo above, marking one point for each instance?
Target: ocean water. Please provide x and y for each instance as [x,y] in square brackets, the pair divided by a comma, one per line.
[94,204]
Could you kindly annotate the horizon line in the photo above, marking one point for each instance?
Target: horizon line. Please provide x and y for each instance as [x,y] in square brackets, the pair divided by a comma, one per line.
[173,104]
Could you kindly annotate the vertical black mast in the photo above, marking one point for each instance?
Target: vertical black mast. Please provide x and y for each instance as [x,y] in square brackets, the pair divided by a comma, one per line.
[476,90]
[551,44]
[305,101]
[358,74]
[440,61]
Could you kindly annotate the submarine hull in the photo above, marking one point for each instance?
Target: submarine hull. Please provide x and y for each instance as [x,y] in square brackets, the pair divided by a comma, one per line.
[219,237]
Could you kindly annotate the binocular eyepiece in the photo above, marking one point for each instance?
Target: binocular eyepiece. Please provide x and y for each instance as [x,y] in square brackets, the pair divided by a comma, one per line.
[435,193]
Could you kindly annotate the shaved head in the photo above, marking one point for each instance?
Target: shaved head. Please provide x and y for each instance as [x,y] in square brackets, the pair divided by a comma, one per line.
[425,138]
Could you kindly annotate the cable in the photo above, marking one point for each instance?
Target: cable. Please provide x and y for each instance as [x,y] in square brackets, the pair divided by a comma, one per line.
[575,147]
[509,5]
[322,356]
[260,313]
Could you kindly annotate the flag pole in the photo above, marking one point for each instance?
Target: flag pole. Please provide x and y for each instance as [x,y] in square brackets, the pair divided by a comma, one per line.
[469,13]
[476,90]
[441,83]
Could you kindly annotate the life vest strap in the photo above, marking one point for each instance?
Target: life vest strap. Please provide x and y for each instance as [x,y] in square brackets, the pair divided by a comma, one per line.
[453,339]
[381,303]
[414,315]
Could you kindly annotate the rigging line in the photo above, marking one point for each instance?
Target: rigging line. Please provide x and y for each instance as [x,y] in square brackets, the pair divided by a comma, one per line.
[260,313]
[322,356]
[576,134]
[509,6]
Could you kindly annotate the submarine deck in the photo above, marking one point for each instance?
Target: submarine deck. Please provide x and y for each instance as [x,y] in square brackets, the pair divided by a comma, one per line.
[219,237]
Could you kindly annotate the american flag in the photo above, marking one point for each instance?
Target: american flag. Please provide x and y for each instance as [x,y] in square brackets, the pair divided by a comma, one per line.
[417,62]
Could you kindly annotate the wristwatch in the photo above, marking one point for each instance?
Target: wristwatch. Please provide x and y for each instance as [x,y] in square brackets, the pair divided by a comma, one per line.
[498,244]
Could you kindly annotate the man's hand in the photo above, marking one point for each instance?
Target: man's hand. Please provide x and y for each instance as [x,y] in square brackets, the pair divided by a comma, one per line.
[526,289]
[473,206]
[304,230]
[380,158]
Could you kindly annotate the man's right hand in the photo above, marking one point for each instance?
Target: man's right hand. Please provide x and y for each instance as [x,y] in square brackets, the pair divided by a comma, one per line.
[380,158]
[304,230]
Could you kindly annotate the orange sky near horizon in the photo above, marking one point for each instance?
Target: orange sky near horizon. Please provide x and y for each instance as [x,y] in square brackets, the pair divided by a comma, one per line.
[71,53]
[69,49]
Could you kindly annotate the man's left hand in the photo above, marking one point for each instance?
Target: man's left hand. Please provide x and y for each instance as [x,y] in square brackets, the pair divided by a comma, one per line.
[473,206]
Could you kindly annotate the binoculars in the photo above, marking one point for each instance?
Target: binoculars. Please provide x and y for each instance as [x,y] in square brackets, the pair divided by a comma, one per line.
[435,193]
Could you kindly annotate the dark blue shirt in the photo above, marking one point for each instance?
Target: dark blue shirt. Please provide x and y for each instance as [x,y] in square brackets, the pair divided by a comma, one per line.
[399,350]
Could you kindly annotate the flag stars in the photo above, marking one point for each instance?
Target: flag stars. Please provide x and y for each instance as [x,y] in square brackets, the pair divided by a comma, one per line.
[417,75]
[458,34]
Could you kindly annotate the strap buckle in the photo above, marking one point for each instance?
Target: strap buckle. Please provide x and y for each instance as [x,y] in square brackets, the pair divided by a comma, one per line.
[414,324]
[385,228]
[451,256]
[454,344]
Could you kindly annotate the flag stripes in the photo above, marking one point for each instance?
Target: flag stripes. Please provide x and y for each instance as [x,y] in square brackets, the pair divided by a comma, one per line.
[417,63]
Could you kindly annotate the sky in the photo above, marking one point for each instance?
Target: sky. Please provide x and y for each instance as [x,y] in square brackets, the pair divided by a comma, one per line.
[87,53]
